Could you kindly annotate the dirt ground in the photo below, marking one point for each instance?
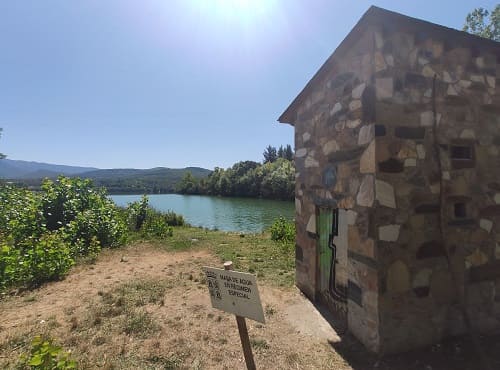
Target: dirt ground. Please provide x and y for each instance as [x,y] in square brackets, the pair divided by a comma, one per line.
[142,307]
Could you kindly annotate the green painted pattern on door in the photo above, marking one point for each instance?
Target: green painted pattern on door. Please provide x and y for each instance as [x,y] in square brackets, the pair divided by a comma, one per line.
[324,225]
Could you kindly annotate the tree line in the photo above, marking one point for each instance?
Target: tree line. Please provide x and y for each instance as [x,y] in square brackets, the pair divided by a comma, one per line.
[274,178]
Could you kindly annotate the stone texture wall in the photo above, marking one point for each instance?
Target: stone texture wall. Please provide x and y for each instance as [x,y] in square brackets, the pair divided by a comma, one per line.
[335,161]
[403,132]
[436,191]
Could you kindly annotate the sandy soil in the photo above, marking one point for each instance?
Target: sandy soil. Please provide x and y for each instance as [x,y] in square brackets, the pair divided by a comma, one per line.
[191,334]
[144,308]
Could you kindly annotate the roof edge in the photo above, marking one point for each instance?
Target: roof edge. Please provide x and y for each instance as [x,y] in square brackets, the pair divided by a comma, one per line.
[376,16]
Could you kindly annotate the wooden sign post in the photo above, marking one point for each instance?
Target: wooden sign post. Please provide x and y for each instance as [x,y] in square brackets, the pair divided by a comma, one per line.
[237,293]
[242,329]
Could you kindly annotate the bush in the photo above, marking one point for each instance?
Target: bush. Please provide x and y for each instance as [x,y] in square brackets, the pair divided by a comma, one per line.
[48,259]
[283,230]
[137,213]
[150,222]
[173,219]
[11,268]
[84,211]
[41,234]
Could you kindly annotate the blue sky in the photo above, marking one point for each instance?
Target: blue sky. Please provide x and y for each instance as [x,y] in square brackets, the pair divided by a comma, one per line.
[174,83]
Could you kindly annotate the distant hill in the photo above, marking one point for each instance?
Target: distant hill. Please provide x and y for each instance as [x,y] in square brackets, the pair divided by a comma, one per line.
[134,181]
[16,169]
[116,180]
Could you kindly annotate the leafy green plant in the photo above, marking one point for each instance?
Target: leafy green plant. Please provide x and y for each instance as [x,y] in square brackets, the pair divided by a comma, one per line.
[282,230]
[42,233]
[10,266]
[150,222]
[137,213]
[156,225]
[45,355]
[48,259]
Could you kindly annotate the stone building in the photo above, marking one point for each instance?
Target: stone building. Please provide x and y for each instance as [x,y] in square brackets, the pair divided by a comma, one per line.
[398,182]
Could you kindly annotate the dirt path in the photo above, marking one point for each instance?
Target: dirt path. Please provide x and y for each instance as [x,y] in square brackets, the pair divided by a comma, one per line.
[141,307]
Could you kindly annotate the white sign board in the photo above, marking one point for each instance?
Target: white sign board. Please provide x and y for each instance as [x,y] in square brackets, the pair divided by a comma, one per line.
[234,292]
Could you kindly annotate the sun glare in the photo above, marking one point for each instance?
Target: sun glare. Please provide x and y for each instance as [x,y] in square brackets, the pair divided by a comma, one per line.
[239,11]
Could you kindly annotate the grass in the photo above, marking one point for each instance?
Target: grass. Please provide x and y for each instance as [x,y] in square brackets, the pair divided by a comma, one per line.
[139,323]
[272,262]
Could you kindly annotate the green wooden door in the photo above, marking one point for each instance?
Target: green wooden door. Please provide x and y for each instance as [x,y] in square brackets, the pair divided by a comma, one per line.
[324,225]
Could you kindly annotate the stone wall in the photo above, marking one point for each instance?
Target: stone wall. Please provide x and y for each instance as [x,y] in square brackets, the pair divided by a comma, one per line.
[436,192]
[402,131]
[335,161]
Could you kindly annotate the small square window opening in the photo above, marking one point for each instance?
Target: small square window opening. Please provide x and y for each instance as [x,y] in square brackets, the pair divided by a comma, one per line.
[461,152]
[460,210]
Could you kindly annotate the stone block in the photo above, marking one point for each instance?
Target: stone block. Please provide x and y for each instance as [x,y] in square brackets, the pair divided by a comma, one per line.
[311,224]
[299,153]
[429,72]
[468,134]
[422,278]
[410,162]
[385,194]
[441,287]
[398,278]
[366,134]
[311,162]
[366,192]
[298,206]
[380,63]
[330,147]
[336,108]
[384,88]
[491,81]
[389,233]
[357,92]
[486,224]
[355,105]
[306,136]
[427,118]
[420,151]
[353,123]
[367,161]
[476,258]
[351,217]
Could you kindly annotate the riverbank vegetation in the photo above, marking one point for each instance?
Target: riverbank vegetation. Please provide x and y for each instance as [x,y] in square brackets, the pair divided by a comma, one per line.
[43,233]
[272,179]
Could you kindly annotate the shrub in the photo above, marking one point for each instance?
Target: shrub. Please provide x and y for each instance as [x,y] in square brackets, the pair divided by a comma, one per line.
[47,259]
[150,222]
[156,225]
[84,211]
[42,233]
[137,213]
[10,266]
[283,230]
[173,219]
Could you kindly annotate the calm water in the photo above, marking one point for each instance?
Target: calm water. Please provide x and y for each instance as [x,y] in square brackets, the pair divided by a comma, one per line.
[228,214]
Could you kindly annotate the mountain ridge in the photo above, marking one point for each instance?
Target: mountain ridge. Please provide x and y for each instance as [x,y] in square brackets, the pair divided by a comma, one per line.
[116,180]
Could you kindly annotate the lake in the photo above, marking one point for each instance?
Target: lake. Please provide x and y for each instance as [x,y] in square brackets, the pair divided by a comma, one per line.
[228,214]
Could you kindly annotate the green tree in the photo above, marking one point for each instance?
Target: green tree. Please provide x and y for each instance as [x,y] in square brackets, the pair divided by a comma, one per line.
[477,23]
[288,153]
[188,184]
[270,154]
